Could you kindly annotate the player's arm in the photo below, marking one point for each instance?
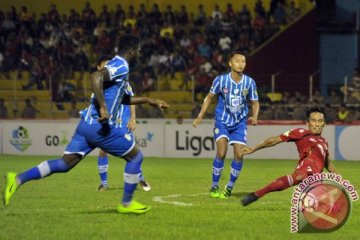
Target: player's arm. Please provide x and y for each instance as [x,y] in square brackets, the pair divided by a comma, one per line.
[132,122]
[204,108]
[330,166]
[255,112]
[131,100]
[97,79]
[269,142]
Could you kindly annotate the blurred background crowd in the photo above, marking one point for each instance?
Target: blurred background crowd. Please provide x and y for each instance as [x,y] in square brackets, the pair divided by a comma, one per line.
[55,47]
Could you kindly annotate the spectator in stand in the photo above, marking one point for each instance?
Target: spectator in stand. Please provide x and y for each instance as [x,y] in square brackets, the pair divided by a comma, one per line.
[182,17]
[119,15]
[156,113]
[3,109]
[298,97]
[203,82]
[268,113]
[29,111]
[168,42]
[179,119]
[155,15]
[224,43]
[105,16]
[334,99]
[74,110]
[343,114]
[169,15]
[280,14]
[354,87]
[8,25]
[178,63]
[330,114]
[281,113]
[259,8]
[354,115]
[167,28]
[130,20]
[142,112]
[299,111]
[200,18]
[36,75]
[317,98]
[148,82]
[195,110]
[216,13]
[292,12]
[64,93]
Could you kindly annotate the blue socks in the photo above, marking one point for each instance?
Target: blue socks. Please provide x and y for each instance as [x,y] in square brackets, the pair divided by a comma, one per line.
[132,176]
[235,171]
[103,164]
[44,169]
[218,166]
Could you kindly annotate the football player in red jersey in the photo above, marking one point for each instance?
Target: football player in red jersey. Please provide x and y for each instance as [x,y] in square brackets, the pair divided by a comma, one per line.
[313,153]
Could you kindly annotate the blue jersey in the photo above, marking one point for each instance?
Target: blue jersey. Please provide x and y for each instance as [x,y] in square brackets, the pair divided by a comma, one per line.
[124,114]
[114,91]
[232,98]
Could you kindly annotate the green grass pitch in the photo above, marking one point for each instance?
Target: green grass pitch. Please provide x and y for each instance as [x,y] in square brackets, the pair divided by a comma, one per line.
[67,206]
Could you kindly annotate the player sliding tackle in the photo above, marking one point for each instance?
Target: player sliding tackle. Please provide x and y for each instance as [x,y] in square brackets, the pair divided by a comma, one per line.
[98,128]
[313,153]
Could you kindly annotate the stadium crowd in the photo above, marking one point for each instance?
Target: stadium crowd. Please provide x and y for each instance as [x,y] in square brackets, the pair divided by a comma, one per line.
[53,45]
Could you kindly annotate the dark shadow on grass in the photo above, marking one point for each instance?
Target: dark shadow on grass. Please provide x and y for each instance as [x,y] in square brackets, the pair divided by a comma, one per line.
[240,194]
[107,211]
[99,211]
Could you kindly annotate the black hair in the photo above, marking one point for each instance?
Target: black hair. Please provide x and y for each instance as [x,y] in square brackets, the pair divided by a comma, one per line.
[236,51]
[128,42]
[314,109]
[102,58]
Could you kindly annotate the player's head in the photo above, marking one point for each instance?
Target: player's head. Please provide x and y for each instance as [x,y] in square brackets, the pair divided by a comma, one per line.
[102,60]
[129,46]
[237,61]
[315,120]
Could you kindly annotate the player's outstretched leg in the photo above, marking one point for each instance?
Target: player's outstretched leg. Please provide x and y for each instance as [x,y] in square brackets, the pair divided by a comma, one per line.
[131,179]
[218,166]
[236,167]
[249,198]
[103,164]
[279,184]
[10,187]
[44,169]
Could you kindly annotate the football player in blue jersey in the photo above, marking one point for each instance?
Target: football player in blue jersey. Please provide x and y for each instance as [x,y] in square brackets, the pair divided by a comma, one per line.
[127,115]
[233,90]
[99,127]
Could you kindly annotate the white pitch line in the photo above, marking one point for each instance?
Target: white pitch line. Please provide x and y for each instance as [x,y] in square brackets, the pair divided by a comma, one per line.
[161,199]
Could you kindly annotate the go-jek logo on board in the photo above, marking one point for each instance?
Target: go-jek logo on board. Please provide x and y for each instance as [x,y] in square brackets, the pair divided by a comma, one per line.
[20,139]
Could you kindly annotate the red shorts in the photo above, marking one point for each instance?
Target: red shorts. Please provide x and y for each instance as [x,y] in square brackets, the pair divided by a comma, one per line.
[307,167]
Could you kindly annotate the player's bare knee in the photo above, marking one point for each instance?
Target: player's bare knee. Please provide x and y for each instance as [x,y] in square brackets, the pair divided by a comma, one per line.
[220,156]
[72,159]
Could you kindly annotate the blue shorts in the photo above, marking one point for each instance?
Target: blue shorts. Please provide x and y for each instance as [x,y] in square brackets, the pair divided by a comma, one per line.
[236,134]
[87,137]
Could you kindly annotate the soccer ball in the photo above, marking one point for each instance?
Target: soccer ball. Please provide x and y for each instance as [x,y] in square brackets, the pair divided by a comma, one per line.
[310,202]
[21,133]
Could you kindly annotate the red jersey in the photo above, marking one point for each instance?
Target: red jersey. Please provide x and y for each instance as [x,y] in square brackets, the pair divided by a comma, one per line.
[308,145]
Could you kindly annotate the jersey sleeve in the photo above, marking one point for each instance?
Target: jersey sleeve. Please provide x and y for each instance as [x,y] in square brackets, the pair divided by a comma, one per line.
[118,69]
[129,90]
[253,95]
[215,87]
[293,134]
